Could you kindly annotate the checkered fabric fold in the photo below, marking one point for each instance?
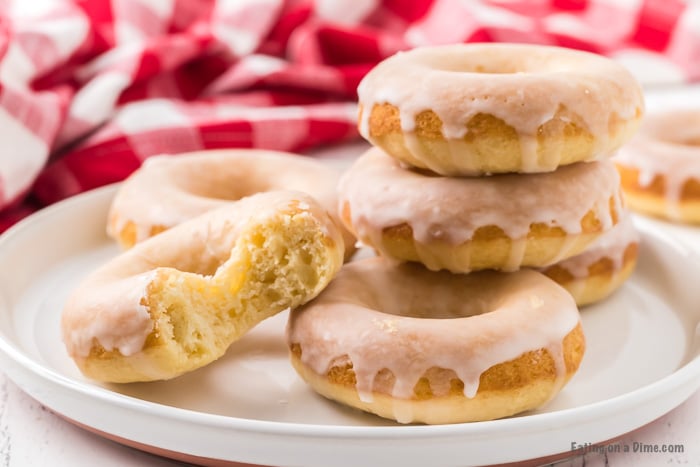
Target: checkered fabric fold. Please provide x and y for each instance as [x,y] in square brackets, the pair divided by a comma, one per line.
[90,88]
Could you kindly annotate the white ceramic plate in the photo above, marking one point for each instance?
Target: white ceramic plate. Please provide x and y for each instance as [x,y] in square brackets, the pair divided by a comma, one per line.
[643,359]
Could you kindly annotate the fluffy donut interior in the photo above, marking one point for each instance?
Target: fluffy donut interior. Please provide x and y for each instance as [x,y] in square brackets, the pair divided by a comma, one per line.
[274,266]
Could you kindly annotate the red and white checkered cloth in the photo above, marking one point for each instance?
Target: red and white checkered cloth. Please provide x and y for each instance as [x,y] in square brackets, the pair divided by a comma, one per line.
[89,88]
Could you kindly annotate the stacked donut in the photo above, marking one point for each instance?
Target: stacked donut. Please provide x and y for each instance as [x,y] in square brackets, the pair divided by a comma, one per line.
[490,163]
[479,161]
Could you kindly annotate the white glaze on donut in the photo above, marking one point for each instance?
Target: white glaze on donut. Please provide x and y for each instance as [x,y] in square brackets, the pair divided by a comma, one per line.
[523,85]
[611,245]
[381,194]
[121,323]
[667,144]
[408,319]
[168,190]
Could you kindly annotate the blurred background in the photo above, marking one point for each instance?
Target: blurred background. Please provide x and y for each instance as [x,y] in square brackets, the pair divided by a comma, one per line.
[90,88]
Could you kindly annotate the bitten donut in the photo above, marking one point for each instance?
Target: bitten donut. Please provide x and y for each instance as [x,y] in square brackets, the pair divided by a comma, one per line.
[602,268]
[660,167]
[462,224]
[176,302]
[433,347]
[471,109]
[167,190]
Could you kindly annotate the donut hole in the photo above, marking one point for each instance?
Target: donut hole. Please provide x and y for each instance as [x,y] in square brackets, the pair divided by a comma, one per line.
[482,69]
[207,176]
[206,179]
[498,62]
[465,63]
[419,293]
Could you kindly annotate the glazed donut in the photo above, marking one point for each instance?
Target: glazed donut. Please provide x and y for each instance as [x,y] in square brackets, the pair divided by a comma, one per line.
[602,268]
[175,302]
[433,347]
[660,167]
[168,190]
[499,222]
[472,109]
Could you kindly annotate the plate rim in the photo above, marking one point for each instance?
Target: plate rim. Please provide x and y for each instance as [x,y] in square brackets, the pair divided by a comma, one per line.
[686,377]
